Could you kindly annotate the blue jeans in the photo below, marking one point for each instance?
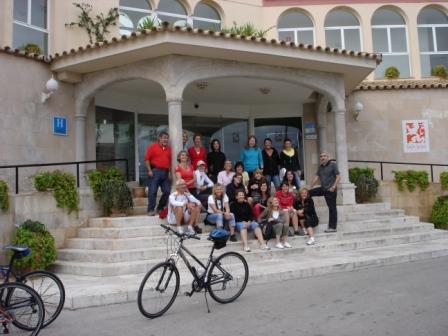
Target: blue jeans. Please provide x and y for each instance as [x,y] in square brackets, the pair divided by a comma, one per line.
[219,219]
[252,226]
[159,179]
[275,179]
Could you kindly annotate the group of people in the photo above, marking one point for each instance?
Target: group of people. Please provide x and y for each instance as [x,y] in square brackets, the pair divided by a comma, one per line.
[262,190]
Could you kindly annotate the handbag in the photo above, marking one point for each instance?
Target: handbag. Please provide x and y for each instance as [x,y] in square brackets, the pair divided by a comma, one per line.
[267,229]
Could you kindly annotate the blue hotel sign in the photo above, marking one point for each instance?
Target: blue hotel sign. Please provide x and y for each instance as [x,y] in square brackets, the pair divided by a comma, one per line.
[60,125]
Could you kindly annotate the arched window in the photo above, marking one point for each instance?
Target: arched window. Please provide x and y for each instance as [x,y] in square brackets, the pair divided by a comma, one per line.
[342,30]
[30,24]
[132,13]
[174,12]
[206,17]
[296,27]
[433,39]
[390,38]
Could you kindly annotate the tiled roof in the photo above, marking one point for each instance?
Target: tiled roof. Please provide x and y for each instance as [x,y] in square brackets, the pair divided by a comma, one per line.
[21,53]
[165,27]
[397,84]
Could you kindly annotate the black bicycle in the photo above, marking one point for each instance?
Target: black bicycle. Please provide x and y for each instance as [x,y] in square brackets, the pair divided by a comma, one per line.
[224,277]
[21,310]
[46,284]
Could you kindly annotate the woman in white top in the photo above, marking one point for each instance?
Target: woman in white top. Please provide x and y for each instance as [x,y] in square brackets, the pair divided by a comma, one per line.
[277,218]
[203,183]
[219,210]
[225,176]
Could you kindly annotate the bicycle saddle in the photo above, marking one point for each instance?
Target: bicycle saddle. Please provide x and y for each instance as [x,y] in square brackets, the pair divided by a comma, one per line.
[22,250]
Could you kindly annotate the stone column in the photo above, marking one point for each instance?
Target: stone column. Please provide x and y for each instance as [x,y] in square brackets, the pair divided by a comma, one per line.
[175,129]
[250,126]
[346,192]
[322,123]
[81,148]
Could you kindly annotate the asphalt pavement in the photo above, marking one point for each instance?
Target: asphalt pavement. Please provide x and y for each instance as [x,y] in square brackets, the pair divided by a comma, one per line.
[408,299]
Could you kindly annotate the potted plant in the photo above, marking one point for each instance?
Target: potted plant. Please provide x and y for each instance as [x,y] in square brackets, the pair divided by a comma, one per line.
[392,72]
[366,183]
[440,71]
[31,48]
[116,198]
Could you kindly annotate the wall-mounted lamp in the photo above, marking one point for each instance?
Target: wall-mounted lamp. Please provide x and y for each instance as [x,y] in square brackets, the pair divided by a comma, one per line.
[358,107]
[52,86]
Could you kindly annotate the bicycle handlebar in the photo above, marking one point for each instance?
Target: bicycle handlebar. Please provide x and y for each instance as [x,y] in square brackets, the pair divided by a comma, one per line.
[183,235]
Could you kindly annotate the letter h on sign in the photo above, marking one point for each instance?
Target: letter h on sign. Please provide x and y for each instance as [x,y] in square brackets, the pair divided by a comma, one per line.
[60,126]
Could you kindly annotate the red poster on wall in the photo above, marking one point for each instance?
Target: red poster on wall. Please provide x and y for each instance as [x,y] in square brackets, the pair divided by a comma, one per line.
[415,136]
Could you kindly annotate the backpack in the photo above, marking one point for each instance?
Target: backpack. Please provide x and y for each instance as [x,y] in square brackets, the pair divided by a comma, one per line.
[163,213]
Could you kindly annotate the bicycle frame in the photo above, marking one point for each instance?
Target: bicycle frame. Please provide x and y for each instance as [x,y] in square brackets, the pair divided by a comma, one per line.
[7,270]
[182,252]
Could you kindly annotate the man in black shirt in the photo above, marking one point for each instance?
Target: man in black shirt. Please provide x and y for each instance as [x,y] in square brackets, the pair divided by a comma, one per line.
[328,175]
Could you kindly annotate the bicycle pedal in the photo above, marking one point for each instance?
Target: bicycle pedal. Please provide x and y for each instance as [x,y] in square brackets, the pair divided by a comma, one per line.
[189,294]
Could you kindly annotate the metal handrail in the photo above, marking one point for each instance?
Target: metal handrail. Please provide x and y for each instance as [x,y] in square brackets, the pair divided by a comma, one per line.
[77,163]
[431,165]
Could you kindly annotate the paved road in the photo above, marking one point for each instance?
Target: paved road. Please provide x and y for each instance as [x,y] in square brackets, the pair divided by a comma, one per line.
[401,300]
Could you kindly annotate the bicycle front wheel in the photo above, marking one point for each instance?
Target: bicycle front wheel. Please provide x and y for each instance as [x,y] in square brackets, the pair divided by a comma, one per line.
[51,291]
[158,290]
[228,277]
[22,310]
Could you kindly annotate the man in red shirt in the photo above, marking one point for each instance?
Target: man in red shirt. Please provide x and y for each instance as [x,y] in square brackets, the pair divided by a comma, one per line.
[158,163]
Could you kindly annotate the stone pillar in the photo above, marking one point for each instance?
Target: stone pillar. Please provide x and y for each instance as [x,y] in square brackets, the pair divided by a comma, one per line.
[80,136]
[175,129]
[250,126]
[322,123]
[346,190]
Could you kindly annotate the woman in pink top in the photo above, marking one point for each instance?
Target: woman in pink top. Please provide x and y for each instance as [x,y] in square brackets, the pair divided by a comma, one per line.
[184,170]
[197,152]
[225,176]
[286,199]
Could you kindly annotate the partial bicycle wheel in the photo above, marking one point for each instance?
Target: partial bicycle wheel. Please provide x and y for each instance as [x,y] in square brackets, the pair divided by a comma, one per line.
[24,311]
[51,291]
[158,290]
[228,277]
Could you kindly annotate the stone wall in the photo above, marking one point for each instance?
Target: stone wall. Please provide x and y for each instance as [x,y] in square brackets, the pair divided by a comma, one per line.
[416,203]
[26,132]
[41,206]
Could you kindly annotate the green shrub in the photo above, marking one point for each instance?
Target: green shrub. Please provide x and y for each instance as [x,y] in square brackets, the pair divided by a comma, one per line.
[96,178]
[444,180]
[39,239]
[4,197]
[411,179]
[31,48]
[63,186]
[439,71]
[366,183]
[147,23]
[247,29]
[115,195]
[392,72]
[439,214]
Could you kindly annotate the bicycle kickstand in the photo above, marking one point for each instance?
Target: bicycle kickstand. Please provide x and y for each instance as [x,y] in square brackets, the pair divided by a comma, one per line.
[5,328]
[206,301]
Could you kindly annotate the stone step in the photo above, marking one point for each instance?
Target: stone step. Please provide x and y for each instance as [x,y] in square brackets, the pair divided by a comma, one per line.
[84,292]
[107,263]
[160,239]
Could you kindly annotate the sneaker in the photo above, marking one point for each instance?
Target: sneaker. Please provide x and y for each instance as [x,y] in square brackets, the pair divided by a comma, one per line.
[279,246]
[190,230]
[290,234]
[265,247]
[233,238]
[152,213]
[330,230]
[197,229]
[310,241]
[299,233]
[180,230]
[287,245]
[305,233]
[247,249]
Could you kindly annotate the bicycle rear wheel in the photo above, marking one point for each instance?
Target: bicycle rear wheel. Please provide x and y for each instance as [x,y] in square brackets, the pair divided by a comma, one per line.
[158,290]
[228,277]
[23,310]
[51,291]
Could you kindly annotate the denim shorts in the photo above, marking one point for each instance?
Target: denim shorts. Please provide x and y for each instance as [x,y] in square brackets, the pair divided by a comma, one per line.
[240,226]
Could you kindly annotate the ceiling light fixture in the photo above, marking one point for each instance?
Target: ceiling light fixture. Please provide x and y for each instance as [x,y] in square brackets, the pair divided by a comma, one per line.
[265,90]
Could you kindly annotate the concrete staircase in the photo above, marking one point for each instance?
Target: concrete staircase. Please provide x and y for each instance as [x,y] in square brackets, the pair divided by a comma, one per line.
[106,261]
